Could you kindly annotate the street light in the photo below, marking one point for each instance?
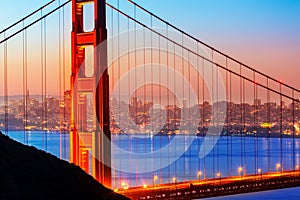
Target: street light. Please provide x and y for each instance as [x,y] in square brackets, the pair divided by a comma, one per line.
[277,166]
[199,175]
[145,186]
[297,167]
[154,179]
[240,170]
[174,180]
[260,172]
[124,185]
[219,176]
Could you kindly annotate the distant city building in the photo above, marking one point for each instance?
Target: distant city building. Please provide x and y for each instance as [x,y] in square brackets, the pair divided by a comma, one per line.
[184,103]
[67,101]
[257,102]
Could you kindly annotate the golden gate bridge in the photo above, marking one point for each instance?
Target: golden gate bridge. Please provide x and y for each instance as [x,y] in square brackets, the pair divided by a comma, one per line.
[129,72]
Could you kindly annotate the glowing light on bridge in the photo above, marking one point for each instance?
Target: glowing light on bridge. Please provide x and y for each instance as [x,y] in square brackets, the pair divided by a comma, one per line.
[145,186]
[278,166]
[219,176]
[174,180]
[240,170]
[199,175]
[125,185]
[154,180]
[259,170]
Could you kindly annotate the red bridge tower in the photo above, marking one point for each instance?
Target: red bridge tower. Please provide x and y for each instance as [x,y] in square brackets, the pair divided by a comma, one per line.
[90,142]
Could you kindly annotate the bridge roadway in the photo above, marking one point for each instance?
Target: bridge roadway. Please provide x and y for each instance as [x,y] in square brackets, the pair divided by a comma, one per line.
[215,187]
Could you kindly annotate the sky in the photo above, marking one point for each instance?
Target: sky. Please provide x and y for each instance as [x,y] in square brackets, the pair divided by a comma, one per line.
[262,33]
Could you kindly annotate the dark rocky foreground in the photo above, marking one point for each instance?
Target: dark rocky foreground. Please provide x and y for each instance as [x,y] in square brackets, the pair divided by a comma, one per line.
[28,173]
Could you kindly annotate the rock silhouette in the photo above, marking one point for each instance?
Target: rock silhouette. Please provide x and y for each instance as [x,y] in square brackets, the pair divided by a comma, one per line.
[29,173]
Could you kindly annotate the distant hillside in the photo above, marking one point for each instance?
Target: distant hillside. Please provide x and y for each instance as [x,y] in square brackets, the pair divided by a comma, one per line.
[28,173]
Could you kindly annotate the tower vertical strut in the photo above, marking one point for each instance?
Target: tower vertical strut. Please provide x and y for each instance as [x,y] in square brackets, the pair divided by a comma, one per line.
[83,140]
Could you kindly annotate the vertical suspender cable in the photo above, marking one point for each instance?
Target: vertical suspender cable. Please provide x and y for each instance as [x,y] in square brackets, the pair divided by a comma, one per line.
[160,103]
[64,82]
[244,129]
[189,118]
[5,87]
[118,78]
[241,116]
[168,98]
[175,106]
[203,119]
[152,91]
[145,92]
[281,112]
[212,108]
[254,115]
[254,124]
[198,107]
[227,116]
[111,43]
[217,111]
[24,90]
[183,95]
[26,82]
[119,65]
[269,129]
[112,57]
[230,100]
[128,68]
[25,97]
[256,128]
[42,80]
[112,48]
[135,86]
[293,114]
[45,82]
[60,83]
